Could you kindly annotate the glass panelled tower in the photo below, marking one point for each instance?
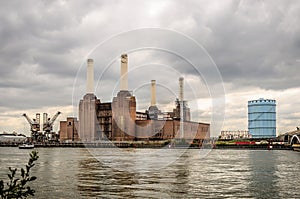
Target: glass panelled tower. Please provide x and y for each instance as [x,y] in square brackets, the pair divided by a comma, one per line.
[262,118]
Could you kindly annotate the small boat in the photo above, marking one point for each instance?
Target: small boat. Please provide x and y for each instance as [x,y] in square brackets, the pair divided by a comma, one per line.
[296,147]
[26,146]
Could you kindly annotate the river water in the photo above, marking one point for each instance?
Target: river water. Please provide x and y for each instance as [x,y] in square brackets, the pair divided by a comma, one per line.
[105,173]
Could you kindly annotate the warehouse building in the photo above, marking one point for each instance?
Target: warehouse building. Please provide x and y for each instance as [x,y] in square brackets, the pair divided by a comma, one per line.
[69,130]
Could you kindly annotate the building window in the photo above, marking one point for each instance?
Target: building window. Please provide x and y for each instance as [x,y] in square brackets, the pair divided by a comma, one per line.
[70,123]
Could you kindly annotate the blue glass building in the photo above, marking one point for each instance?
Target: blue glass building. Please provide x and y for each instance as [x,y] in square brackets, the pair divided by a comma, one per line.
[262,118]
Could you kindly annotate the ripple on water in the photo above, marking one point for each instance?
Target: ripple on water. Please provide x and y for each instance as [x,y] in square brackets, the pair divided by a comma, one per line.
[77,173]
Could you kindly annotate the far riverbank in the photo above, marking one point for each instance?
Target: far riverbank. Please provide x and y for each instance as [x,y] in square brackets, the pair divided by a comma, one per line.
[154,145]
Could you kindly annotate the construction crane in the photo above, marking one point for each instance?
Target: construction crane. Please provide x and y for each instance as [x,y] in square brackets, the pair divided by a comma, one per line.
[48,122]
[34,125]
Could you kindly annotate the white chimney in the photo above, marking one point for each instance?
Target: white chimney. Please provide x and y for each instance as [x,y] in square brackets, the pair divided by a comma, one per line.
[153,93]
[124,70]
[181,97]
[90,76]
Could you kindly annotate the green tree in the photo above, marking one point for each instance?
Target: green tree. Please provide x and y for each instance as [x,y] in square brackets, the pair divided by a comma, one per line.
[17,187]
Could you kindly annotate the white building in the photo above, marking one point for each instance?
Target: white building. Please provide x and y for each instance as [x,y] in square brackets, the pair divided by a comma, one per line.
[12,138]
[229,135]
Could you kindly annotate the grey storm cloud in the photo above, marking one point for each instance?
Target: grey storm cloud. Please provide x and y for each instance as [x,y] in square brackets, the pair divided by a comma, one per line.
[44,45]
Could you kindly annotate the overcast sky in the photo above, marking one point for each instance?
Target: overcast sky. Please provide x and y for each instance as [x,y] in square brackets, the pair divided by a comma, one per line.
[231,51]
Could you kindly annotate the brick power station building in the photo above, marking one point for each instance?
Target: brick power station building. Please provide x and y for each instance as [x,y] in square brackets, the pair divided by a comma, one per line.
[119,120]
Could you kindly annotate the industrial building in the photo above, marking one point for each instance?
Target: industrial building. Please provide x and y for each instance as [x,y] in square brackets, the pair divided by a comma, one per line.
[69,130]
[262,118]
[239,134]
[12,138]
[120,121]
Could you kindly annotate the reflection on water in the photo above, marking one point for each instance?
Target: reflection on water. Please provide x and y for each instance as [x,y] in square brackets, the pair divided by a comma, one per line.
[76,173]
[136,160]
[95,179]
[125,182]
[263,167]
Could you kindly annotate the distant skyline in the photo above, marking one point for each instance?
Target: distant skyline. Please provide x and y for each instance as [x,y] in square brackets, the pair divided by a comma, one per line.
[254,44]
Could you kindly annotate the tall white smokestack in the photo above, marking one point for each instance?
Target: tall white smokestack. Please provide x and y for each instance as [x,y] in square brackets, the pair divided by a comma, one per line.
[124,70]
[90,76]
[153,93]
[181,97]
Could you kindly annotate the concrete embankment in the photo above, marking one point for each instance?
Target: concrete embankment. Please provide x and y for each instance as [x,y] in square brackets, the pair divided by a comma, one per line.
[95,145]
[153,145]
[255,147]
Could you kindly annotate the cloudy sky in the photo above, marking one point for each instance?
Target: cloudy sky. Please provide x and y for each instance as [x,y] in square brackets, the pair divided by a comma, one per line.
[227,51]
